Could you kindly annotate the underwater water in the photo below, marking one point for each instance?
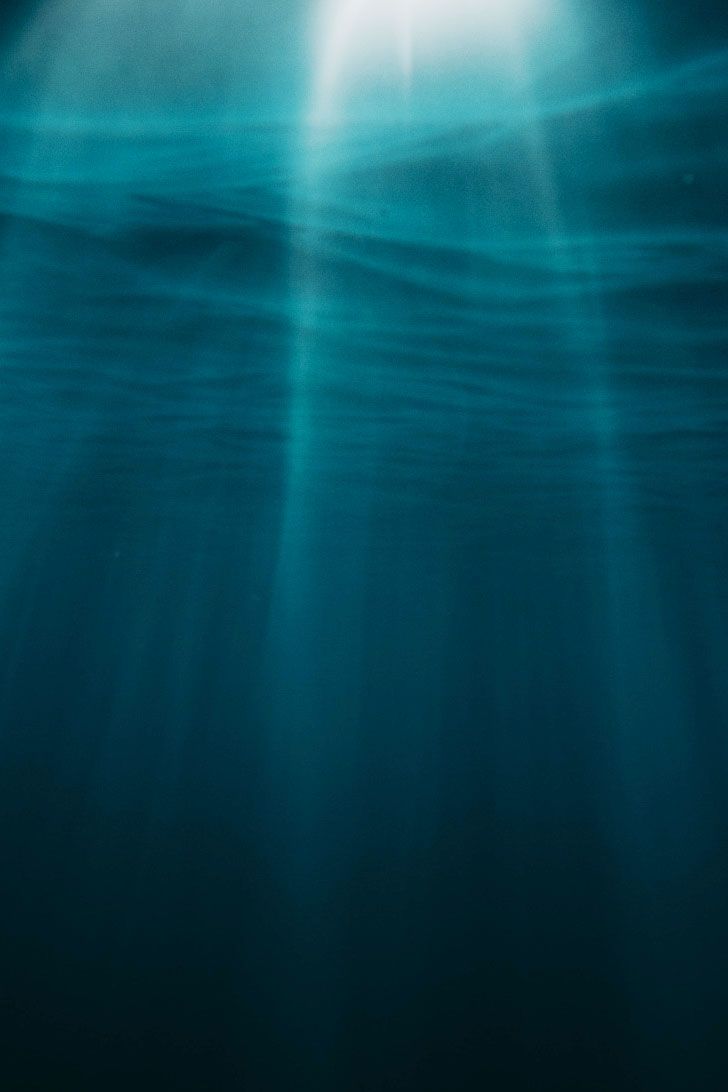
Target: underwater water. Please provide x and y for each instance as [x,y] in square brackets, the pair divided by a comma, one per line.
[363,553]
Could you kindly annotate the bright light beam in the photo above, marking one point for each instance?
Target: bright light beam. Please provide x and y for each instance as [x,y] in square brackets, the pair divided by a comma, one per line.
[359,41]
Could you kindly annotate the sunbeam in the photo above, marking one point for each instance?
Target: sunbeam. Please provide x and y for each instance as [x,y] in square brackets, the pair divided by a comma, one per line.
[364,43]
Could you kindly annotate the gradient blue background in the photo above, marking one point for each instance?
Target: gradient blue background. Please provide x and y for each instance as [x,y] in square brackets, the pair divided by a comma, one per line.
[363,689]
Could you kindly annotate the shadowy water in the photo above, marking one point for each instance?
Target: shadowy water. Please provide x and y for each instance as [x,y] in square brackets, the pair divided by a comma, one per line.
[363,683]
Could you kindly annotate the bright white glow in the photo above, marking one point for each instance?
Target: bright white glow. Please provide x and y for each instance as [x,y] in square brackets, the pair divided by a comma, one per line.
[358,39]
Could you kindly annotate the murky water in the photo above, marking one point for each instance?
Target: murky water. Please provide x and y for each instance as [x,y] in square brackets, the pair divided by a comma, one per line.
[363,474]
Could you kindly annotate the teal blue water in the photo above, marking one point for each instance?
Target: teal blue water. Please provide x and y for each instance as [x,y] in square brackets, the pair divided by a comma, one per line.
[363,550]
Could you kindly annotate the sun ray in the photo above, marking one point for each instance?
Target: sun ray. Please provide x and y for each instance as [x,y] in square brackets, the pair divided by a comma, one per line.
[381,40]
